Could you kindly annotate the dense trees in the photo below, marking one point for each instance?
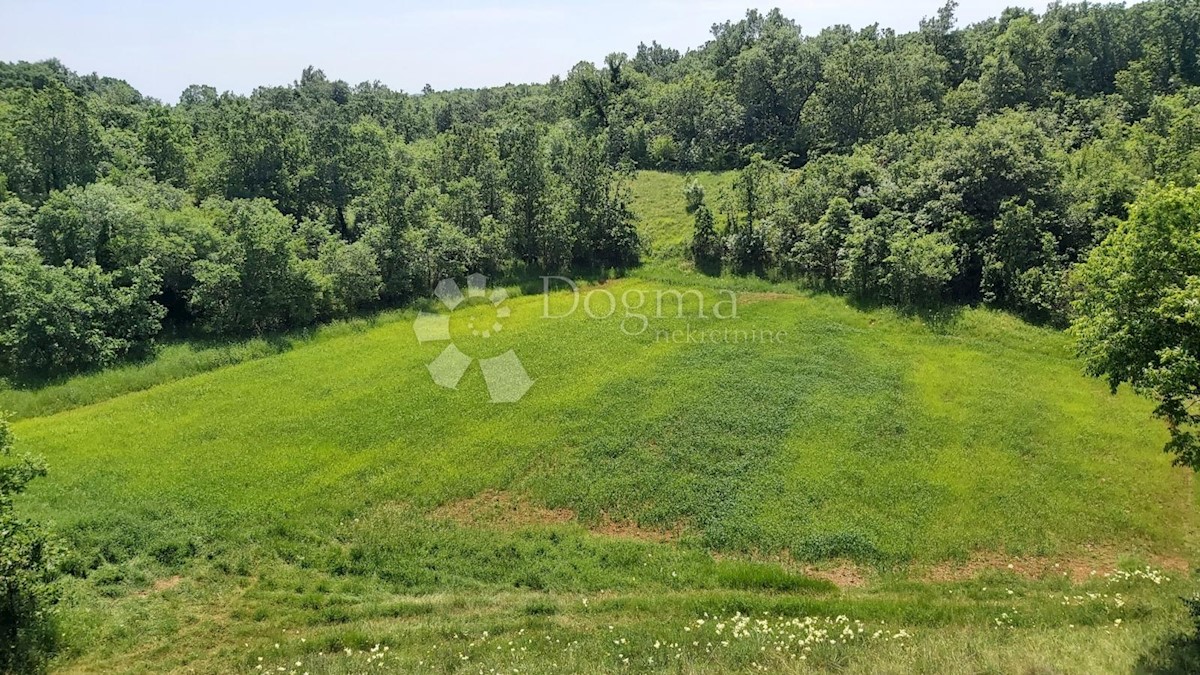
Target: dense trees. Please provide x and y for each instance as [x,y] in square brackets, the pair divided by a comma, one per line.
[1139,310]
[232,215]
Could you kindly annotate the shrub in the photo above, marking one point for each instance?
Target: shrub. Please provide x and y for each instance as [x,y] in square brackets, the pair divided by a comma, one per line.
[693,196]
[27,570]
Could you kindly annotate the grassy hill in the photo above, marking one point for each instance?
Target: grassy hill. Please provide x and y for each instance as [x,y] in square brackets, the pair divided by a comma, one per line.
[658,204]
[958,481]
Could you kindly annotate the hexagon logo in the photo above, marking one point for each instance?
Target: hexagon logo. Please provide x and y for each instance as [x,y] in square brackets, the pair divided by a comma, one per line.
[505,375]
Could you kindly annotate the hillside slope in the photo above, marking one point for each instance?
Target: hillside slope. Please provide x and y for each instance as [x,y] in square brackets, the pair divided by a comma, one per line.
[863,435]
[696,468]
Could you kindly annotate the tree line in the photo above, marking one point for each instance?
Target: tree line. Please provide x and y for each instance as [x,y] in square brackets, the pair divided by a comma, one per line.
[233,215]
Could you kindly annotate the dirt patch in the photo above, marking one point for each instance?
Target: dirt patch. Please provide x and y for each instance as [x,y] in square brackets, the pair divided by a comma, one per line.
[1090,562]
[752,298]
[624,529]
[161,585]
[842,574]
[168,583]
[499,509]
[493,508]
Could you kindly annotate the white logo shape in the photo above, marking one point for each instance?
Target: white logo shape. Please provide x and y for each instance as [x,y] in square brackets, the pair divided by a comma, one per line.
[507,381]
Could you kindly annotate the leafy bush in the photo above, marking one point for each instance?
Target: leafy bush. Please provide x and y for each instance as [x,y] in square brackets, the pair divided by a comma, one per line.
[56,320]
[707,246]
[693,196]
[28,567]
[758,576]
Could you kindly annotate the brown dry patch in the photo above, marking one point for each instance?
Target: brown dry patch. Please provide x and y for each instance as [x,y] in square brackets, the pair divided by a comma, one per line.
[495,508]
[1090,562]
[843,574]
[625,529]
[161,585]
[499,509]
[752,298]
[168,583]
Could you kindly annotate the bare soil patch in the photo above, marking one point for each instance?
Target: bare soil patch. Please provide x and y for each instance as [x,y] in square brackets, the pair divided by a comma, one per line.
[495,508]
[500,509]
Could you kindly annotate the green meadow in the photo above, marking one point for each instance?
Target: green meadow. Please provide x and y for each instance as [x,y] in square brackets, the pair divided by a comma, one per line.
[861,491]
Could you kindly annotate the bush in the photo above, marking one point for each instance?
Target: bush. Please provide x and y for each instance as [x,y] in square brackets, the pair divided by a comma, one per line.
[693,196]
[57,320]
[27,570]
[749,250]
[706,243]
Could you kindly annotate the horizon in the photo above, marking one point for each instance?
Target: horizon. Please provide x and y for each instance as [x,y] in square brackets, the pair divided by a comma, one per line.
[526,42]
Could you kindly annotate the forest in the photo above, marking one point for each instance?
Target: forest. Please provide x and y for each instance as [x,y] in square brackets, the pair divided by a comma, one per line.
[976,164]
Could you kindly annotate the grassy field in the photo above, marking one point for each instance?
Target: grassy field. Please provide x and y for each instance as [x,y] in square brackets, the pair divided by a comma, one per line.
[658,204]
[863,492]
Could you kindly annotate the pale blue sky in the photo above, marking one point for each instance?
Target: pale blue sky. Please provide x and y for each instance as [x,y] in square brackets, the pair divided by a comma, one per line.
[160,46]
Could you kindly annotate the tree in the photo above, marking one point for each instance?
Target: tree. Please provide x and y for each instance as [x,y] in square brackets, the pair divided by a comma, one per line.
[693,196]
[655,59]
[772,79]
[58,320]
[706,243]
[165,142]
[89,225]
[28,567]
[1138,311]
[1022,267]
[254,281]
[528,184]
[353,274]
[864,254]
[818,253]
[919,265]
[58,143]
[1018,70]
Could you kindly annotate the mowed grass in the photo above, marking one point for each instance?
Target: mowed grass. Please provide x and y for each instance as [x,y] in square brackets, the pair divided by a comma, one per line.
[306,492]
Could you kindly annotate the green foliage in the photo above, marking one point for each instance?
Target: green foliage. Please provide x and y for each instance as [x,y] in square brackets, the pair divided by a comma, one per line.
[255,280]
[707,247]
[51,142]
[1018,69]
[975,164]
[919,266]
[28,568]
[693,196]
[818,251]
[58,320]
[354,282]
[166,144]
[1138,318]
[759,576]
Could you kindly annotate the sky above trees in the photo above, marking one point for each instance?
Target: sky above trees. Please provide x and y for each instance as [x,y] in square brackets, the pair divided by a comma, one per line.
[161,47]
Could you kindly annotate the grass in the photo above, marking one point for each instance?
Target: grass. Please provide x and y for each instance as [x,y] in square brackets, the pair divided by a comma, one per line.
[658,204]
[318,499]
[172,361]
